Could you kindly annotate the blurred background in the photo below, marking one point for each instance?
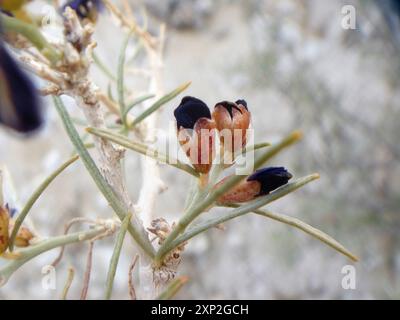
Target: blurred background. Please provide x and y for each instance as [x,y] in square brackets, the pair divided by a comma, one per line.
[298,68]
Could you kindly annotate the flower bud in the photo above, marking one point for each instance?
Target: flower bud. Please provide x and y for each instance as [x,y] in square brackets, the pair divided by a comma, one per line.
[196,132]
[260,183]
[4,225]
[232,120]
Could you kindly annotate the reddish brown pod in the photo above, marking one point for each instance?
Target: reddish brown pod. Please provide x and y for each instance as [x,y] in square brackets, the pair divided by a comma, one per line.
[232,120]
[196,132]
[260,183]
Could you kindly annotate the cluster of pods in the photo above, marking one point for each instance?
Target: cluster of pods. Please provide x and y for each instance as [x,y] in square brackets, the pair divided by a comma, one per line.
[197,129]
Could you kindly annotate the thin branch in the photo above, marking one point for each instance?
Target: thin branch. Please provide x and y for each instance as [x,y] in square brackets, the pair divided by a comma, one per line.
[131,24]
[132,291]
[128,9]
[68,226]
[159,103]
[68,283]
[45,72]
[111,105]
[141,148]
[256,146]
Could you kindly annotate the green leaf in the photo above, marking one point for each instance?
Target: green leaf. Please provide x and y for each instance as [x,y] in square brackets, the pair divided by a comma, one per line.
[35,196]
[120,76]
[136,102]
[173,287]
[103,67]
[68,283]
[159,103]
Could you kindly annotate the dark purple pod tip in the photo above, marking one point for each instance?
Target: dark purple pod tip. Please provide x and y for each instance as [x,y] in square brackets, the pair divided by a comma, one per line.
[229,106]
[242,102]
[270,178]
[189,111]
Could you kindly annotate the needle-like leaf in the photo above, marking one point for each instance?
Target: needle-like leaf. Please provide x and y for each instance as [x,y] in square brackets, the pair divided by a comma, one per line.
[142,149]
[136,102]
[121,76]
[35,196]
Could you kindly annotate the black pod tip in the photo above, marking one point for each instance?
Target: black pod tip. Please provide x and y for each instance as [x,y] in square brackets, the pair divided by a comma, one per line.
[270,178]
[189,111]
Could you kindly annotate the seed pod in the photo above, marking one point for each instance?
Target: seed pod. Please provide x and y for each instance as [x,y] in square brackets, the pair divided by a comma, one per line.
[196,132]
[4,225]
[260,183]
[232,120]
